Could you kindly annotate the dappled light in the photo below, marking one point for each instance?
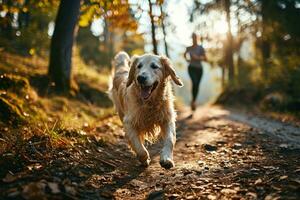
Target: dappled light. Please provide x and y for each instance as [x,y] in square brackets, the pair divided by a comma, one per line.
[151,99]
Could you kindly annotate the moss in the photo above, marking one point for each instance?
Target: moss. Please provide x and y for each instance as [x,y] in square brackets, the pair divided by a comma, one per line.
[13,83]
[10,113]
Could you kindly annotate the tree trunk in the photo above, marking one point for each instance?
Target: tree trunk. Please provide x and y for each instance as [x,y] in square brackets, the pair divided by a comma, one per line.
[164,30]
[6,22]
[229,46]
[60,64]
[153,30]
[265,44]
[240,42]
[223,76]
[24,16]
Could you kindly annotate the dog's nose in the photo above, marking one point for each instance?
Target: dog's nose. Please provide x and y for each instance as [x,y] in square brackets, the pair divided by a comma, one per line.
[141,79]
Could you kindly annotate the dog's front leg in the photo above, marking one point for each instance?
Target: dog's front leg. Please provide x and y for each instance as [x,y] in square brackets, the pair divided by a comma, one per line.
[169,139]
[136,144]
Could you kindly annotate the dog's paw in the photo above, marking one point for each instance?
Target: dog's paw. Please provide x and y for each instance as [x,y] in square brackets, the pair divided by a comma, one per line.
[145,163]
[167,163]
[144,160]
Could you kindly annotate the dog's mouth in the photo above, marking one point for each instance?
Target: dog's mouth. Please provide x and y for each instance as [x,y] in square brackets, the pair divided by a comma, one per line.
[146,91]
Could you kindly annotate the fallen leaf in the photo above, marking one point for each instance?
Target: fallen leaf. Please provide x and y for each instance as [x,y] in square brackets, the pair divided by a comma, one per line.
[296,181]
[81,132]
[54,187]
[252,194]
[13,192]
[283,146]
[123,191]
[270,167]
[258,181]
[254,170]
[140,184]
[34,190]
[228,191]
[71,190]
[211,197]
[297,170]
[9,178]
[276,188]
[237,146]
[35,166]
[200,162]
[191,197]
[272,197]
[283,177]
[173,196]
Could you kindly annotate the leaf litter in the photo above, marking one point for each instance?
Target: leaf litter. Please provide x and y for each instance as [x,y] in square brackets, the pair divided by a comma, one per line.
[238,162]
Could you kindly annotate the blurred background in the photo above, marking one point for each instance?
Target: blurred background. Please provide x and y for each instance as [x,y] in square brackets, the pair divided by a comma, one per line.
[253,46]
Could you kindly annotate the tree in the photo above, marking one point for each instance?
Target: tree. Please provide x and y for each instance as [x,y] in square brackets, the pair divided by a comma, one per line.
[153,28]
[20,19]
[229,47]
[60,64]
[265,42]
[229,44]
[163,26]
[117,20]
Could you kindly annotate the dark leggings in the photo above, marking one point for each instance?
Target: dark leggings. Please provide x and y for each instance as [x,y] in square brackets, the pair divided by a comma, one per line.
[195,74]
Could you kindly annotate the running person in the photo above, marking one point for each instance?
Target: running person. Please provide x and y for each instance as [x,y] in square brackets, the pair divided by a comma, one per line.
[196,55]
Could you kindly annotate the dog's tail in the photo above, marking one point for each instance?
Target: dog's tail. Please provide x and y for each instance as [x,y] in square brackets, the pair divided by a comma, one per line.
[120,63]
[121,59]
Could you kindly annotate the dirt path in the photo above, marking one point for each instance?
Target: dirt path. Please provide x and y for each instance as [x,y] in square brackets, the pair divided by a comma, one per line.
[219,155]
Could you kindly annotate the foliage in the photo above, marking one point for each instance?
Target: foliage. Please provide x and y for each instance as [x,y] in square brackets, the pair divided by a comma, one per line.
[13,91]
[96,52]
[10,113]
[116,12]
[119,26]
[24,25]
[12,82]
[269,26]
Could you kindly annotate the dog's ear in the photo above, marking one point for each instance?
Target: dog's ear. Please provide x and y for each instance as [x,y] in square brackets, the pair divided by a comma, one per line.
[133,63]
[170,71]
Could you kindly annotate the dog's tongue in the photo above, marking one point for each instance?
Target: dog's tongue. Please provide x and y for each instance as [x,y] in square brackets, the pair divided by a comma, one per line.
[145,92]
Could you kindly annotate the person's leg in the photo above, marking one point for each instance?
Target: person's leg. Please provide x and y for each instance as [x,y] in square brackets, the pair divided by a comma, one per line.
[193,75]
[191,71]
[198,75]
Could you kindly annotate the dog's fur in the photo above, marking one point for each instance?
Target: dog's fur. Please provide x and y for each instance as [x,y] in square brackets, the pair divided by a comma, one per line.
[143,115]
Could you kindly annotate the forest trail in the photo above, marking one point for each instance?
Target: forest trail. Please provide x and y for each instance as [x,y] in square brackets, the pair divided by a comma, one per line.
[219,154]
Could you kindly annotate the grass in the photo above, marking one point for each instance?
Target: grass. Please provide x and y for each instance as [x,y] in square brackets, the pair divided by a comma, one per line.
[51,115]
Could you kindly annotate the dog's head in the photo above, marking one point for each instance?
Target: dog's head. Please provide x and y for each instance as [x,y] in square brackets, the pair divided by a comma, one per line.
[149,71]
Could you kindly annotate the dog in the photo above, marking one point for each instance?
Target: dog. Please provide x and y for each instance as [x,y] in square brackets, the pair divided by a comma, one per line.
[143,97]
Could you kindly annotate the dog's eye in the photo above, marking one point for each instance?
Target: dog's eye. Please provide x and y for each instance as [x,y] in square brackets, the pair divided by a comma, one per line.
[140,66]
[154,66]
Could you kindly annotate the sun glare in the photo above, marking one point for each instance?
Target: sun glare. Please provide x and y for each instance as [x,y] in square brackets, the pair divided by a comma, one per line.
[220,27]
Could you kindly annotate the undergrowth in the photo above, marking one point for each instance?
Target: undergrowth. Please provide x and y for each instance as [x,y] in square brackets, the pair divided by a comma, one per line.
[31,115]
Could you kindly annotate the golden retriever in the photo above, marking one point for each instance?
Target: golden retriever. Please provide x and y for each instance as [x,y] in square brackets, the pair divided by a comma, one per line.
[142,94]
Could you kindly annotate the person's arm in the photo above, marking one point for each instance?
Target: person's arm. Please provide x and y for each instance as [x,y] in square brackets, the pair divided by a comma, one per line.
[200,58]
[185,55]
[204,58]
